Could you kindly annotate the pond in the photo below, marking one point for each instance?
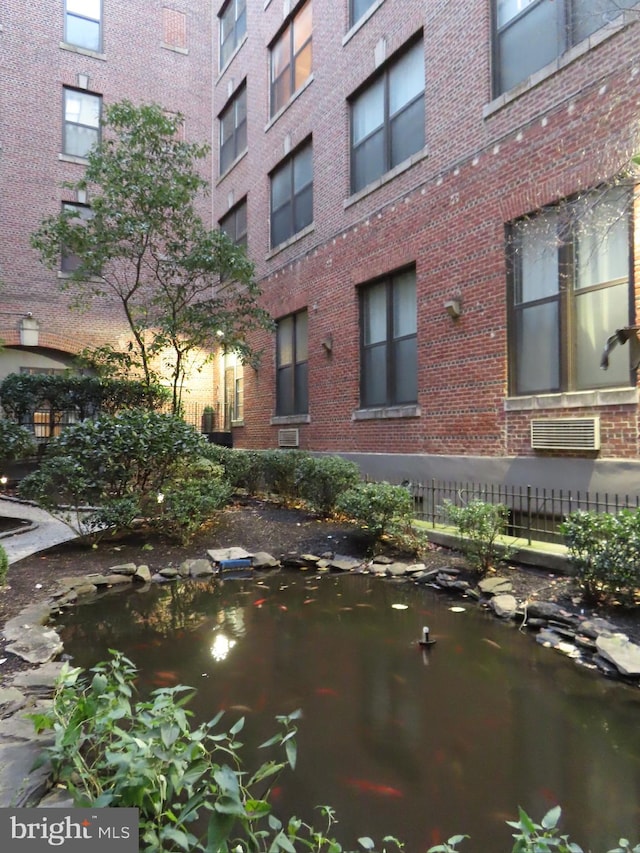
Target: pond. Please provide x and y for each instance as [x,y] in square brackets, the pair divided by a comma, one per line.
[420,743]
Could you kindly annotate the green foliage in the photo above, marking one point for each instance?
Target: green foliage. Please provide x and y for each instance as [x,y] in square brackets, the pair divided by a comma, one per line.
[279,470]
[322,479]
[183,290]
[379,507]
[189,504]
[480,524]
[118,465]
[21,394]
[242,468]
[604,550]
[16,442]
[4,566]
[110,749]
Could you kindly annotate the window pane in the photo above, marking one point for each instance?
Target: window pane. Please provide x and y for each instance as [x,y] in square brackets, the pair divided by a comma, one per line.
[302,168]
[528,44]
[537,258]
[303,210]
[407,133]
[285,341]
[281,227]
[508,9]
[405,384]
[359,8]
[590,15]
[301,402]
[281,187]
[369,161]
[302,67]
[406,79]
[367,112]
[538,359]
[404,305]
[281,93]
[598,314]
[284,391]
[87,8]
[78,140]
[280,55]
[602,239]
[301,336]
[83,33]
[374,376]
[82,108]
[302,26]
[375,313]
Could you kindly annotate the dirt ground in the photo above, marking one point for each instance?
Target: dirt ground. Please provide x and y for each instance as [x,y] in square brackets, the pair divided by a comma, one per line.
[257,526]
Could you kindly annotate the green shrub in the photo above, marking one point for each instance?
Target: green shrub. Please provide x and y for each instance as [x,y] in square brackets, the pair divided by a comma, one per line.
[479,525]
[188,505]
[280,471]
[322,479]
[379,507]
[16,442]
[242,468]
[4,566]
[604,550]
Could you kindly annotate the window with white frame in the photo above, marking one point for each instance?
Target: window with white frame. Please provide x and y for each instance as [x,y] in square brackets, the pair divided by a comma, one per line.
[357,8]
[291,57]
[83,23]
[388,341]
[81,122]
[292,394]
[531,33]
[233,26]
[387,118]
[569,291]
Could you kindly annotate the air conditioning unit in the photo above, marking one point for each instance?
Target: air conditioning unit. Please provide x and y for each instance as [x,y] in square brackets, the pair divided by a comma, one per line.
[289,437]
[565,434]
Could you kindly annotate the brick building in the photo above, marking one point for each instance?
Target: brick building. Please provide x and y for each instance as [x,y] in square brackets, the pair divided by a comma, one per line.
[432,195]
[60,61]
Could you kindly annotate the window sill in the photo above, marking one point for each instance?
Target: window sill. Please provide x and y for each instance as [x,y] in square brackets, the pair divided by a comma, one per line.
[83,51]
[386,412]
[386,178]
[71,158]
[232,166]
[361,22]
[603,34]
[239,423]
[294,239]
[174,47]
[236,50]
[573,400]
[68,276]
[291,101]
[282,420]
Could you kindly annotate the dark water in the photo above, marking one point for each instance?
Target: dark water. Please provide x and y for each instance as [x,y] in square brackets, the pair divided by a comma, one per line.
[401,741]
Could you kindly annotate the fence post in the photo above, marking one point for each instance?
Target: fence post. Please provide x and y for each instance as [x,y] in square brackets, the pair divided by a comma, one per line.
[433,502]
[528,514]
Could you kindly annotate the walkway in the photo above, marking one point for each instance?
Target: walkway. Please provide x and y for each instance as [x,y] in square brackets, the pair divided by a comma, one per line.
[44,532]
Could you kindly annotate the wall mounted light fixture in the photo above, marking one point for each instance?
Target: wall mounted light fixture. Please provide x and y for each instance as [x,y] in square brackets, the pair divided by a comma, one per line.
[453,308]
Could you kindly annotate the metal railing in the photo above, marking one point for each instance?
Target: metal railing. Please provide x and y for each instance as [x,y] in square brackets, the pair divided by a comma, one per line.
[534,513]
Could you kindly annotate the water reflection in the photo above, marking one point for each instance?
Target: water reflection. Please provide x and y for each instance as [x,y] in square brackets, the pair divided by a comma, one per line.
[415,742]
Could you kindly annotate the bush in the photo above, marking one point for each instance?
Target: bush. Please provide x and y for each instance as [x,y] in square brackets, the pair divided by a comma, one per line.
[280,471]
[479,526]
[188,505]
[604,550]
[322,479]
[4,566]
[118,465]
[379,507]
[242,468]
[16,442]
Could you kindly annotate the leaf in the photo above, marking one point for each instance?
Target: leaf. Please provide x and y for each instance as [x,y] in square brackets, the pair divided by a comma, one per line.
[366,842]
[550,820]
[219,830]
[292,753]
[237,727]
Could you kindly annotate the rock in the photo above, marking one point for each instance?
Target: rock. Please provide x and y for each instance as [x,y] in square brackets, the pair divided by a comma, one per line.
[197,568]
[495,586]
[415,568]
[345,564]
[596,626]
[504,605]
[169,573]
[143,574]
[219,554]
[124,569]
[312,559]
[107,580]
[621,652]
[40,681]
[396,570]
[36,644]
[11,700]
[549,639]
[547,610]
[263,560]
[382,560]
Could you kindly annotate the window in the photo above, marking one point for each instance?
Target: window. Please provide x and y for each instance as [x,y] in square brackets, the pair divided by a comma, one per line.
[233,129]
[387,119]
[291,58]
[82,23]
[388,365]
[532,33]
[233,26]
[357,8]
[81,122]
[569,290]
[292,396]
[234,224]
[292,195]
[69,261]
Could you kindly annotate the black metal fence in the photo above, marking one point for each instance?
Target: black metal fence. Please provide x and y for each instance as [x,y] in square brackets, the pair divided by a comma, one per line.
[534,513]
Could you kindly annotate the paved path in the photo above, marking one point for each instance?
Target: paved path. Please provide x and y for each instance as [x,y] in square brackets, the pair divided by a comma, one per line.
[44,532]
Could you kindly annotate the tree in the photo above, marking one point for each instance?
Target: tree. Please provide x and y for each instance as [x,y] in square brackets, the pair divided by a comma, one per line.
[182,288]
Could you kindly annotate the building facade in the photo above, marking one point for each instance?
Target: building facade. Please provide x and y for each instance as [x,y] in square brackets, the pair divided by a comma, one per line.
[60,62]
[439,201]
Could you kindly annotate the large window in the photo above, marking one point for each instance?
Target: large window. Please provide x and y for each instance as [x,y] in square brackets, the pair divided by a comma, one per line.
[291,58]
[233,128]
[81,122]
[387,119]
[292,395]
[292,195]
[569,290]
[233,26]
[82,19]
[532,33]
[234,224]
[80,212]
[388,358]
[357,8]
